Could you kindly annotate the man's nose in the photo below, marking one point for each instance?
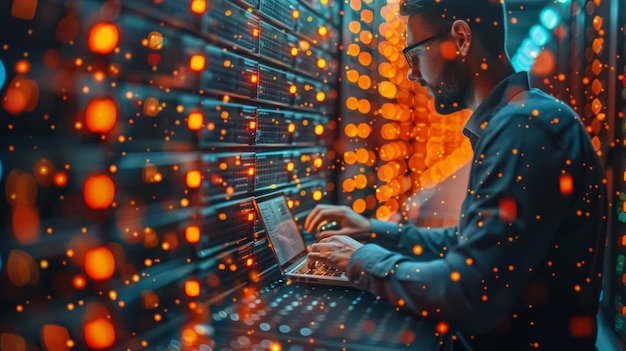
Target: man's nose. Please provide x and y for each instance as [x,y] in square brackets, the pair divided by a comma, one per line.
[414,74]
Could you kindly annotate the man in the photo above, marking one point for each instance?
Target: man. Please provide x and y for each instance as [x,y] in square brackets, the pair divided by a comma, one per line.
[522,269]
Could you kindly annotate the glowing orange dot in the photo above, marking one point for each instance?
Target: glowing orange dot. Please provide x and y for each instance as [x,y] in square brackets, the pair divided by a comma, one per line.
[192,234]
[295,14]
[99,191]
[103,38]
[418,250]
[192,288]
[293,89]
[198,6]
[60,179]
[294,51]
[455,276]
[254,78]
[195,121]
[321,63]
[442,327]
[323,31]
[78,282]
[194,179]
[22,67]
[317,195]
[99,263]
[101,115]
[99,334]
[249,262]
[507,209]
[319,129]
[567,184]
[197,63]
[359,206]
[320,96]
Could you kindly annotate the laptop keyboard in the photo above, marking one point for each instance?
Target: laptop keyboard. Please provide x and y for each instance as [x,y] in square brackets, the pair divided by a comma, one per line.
[320,270]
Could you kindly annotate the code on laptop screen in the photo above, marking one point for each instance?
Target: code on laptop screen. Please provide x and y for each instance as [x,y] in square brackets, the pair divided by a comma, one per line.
[282,230]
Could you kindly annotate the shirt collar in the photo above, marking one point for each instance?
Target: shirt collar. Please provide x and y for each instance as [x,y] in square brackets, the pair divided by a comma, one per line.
[497,98]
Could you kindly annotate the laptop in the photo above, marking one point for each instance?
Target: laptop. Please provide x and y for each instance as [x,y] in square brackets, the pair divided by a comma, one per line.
[288,244]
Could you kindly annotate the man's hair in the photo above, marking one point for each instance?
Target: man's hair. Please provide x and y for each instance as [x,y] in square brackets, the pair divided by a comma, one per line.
[486,18]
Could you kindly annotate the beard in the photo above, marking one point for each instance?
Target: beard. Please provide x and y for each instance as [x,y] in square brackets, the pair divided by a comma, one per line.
[453,89]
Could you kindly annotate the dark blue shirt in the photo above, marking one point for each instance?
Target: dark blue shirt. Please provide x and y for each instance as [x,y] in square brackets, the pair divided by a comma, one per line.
[522,269]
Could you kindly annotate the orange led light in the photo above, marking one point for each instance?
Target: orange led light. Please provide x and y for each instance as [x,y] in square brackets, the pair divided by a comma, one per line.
[193,179]
[192,234]
[251,171]
[197,63]
[321,63]
[293,89]
[290,167]
[566,184]
[195,120]
[319,129]
[252,125]
[254,78]
[99,263]
[60,179]
[323,31]
[294,51]
[78,282]
[291,128]
[442,327]
[22,67]
[317,195]
[320,96]
[103,38]
[99,334]
[295,14]
[101,115]
[99,191]
[256,32]
[198,6]
[249,262]
[251,217]
[192,288]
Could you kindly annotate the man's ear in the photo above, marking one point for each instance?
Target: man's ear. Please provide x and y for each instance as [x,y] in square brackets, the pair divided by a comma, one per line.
[462,34]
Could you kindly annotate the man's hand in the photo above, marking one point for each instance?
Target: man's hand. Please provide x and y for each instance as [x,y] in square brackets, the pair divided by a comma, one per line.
[334,251]
[350,222]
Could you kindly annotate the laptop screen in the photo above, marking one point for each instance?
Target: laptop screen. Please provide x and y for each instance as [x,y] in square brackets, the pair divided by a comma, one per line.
[282,229]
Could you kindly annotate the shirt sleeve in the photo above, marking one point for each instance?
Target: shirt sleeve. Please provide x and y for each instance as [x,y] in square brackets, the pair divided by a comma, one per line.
[507,226]
[420,242]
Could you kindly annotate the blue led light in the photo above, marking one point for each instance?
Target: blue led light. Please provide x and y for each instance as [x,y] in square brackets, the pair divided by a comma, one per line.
[549,17]
[530,49]
[539,35]
[564,1]
[3,74]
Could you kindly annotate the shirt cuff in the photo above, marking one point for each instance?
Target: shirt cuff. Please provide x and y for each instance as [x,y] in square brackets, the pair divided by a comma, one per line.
[372,259]
[385,230]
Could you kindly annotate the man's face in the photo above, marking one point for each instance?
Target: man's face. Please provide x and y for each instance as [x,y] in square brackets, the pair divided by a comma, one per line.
[443,74]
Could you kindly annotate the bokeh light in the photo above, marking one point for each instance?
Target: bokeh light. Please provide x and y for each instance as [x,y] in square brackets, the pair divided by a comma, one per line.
[101,115]
[3,74]
[103,38]
[99,263]
[99,334]
[99,191]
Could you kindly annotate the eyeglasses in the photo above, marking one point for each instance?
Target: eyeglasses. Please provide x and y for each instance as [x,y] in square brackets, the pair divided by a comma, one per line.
[410,52]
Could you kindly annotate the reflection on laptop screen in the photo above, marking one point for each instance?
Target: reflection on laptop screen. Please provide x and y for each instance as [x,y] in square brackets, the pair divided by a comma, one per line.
[282,228]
